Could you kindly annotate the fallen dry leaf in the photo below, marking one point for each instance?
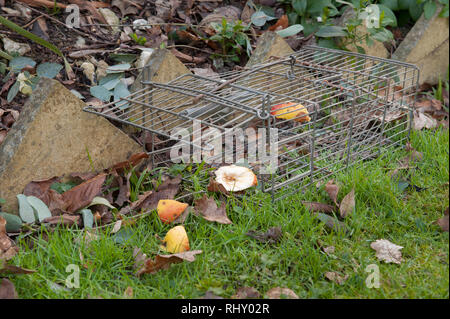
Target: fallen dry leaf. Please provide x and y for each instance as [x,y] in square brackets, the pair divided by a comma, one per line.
[246,293]
[149,200]
[82,195]
[272,235]
[7,290]
[332,189]
[207,208]
[281,24]
[64,219]
[11,269]
[151,266]
[318,207]
[422,120]
[335,277]
[347,204]
[387,251]
[281,293]
[7,247]
[443,222]
[134,160]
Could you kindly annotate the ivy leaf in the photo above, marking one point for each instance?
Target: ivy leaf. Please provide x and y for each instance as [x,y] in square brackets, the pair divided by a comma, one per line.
[329,31]
[118,68]
[88,218]
[13,222]
[289,31]
[48,70]
[101,93]
[389,16]
[13,91]
[429,9]
[259,18]
[41,210]
[299,6]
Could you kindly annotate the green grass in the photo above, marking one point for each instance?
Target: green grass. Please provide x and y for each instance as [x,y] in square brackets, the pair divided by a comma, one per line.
[231,259]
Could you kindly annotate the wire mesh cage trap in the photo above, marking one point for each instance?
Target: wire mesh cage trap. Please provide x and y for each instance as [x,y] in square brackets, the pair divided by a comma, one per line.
[309,115]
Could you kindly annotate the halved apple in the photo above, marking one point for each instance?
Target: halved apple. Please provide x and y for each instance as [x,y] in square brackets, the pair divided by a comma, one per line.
[291,111]
[176,240]
[169,210]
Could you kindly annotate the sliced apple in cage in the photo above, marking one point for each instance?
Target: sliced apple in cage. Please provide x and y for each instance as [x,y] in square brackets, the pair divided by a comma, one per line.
[291,111]
[235,178]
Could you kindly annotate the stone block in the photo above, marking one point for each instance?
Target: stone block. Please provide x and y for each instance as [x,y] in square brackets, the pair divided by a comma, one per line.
[269,44]
[426,45]
[162,67]
[376,49]
[53,137]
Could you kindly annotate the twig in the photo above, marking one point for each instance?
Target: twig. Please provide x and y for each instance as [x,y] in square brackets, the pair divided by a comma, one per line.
[62,23]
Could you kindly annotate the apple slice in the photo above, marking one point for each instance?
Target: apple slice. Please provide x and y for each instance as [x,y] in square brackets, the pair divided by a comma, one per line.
[176,240]
[169,210]
[291,111]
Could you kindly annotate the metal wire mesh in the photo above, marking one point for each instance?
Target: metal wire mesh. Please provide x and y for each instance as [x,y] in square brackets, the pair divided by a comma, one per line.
[358,106]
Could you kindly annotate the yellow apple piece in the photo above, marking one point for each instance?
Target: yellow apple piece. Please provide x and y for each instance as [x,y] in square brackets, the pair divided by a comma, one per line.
[291,111]
[169,210]
[176,240]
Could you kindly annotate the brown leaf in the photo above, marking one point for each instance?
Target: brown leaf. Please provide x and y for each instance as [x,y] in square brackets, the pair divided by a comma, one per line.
[149,200]
[134,160]
[246,293]
[64,219]
[215,187]
[347,204]
[335,277]
[11,269]
[207,208]
[272,235]
[318,207]
[41,189]
[332,190]
[281,24]
[281,293]
[443,222]
[7,290]
[83,194]
[7,247]
[151,266]
[423,121]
